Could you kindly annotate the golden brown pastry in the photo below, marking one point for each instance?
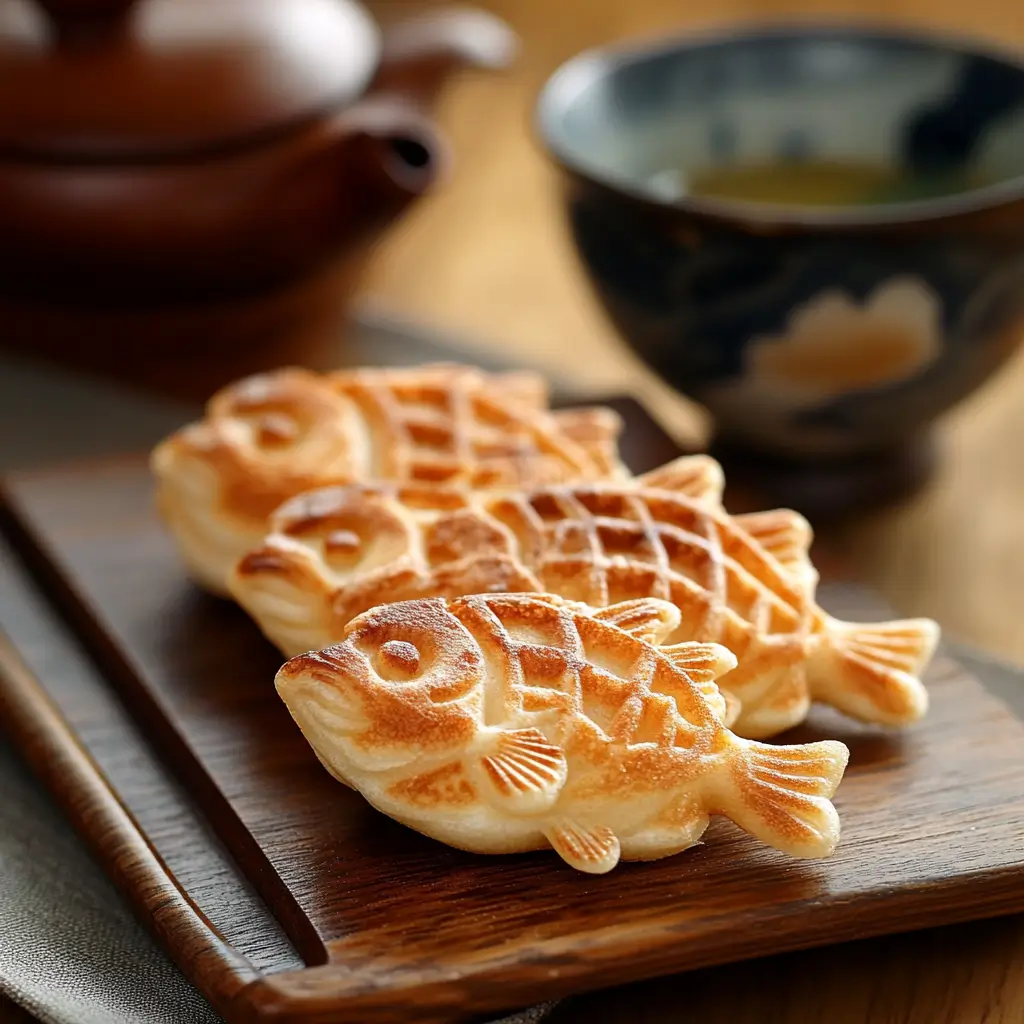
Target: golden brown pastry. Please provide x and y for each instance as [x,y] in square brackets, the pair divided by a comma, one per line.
[332,553]
[269,437]
[515,722]
[743,581]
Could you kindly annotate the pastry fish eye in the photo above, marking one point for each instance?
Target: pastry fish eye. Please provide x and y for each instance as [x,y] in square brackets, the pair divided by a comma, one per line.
[275,429]
[368,537]
[342,543]
[398,660]
[272,423]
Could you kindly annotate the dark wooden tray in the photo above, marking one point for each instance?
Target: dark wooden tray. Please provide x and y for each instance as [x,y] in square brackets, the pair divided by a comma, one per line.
[148,709]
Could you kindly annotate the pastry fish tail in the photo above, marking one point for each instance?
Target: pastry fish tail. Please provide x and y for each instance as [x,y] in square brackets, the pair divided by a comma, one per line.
[872,671]
[782,795]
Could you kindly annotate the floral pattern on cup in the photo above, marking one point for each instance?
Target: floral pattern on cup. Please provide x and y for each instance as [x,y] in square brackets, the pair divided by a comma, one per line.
[832,347]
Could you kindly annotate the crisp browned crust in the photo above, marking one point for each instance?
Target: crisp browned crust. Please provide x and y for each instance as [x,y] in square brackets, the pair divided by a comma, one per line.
[598,543]
[595,543]
[458,425]
[512,721]
[272,436]
[515,654]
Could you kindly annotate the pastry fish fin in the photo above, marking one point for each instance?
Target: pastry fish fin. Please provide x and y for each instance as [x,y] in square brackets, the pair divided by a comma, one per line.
[782,795]
[696,476]
[871,671]
[703,664]
[523,386]
[593,849]
[524,771]
[787,537]
[596,430]
[647,618]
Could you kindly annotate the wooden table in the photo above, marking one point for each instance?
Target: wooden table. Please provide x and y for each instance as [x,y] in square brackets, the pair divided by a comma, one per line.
[489,257]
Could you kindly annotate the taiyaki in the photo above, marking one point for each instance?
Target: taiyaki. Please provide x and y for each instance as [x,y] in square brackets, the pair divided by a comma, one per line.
[513,722]
[268,437]
[335,552]
[743,581]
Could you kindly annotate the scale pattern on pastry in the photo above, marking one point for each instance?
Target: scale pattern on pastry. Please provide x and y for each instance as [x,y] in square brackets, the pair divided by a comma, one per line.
[514,722]
[743,581]
[333,553]
[269,437]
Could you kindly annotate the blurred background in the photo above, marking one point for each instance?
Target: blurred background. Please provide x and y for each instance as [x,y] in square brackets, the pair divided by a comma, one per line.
[489,254]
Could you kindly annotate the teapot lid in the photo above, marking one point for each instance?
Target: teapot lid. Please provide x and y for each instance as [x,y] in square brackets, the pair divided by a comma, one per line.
[101,80]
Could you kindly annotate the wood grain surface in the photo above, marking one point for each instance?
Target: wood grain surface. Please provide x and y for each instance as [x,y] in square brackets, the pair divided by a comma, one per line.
[394,925]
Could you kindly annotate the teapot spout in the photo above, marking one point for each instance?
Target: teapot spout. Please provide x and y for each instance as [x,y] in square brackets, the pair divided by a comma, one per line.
[386,156]
[420,54]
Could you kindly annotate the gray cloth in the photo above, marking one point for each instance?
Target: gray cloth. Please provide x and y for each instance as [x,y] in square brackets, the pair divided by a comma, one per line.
[71,952]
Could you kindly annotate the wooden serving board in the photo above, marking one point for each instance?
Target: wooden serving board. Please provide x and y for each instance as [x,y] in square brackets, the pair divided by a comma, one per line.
[148,709]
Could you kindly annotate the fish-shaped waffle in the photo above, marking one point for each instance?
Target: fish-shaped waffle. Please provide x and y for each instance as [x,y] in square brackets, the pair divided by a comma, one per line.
[504,723]
[268,437]
[333,553]
[743,581]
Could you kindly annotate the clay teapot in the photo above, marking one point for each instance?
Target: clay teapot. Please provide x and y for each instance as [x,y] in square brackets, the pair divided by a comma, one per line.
[186,185]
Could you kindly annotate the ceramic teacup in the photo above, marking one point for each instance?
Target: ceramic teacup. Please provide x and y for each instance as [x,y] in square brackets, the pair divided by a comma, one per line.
[810,331]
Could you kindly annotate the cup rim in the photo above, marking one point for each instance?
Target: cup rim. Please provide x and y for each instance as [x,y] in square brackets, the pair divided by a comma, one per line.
[581,70]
